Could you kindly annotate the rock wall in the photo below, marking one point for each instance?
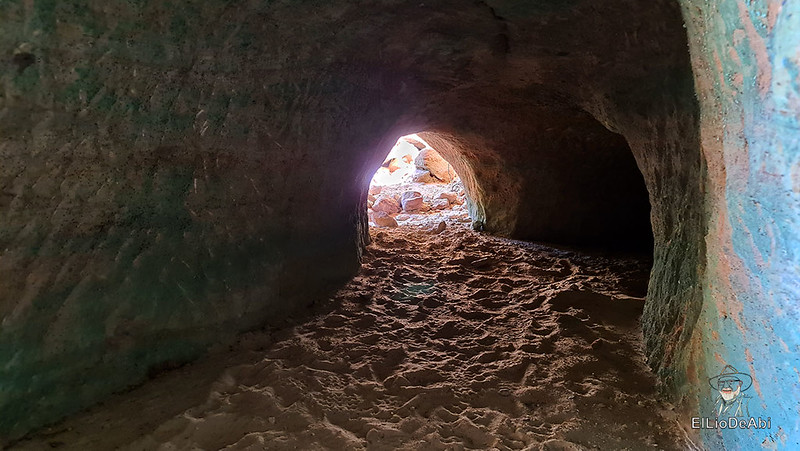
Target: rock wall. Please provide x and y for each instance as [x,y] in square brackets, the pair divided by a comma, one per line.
[176,172]
[550,174]
[158,194]
[746,60]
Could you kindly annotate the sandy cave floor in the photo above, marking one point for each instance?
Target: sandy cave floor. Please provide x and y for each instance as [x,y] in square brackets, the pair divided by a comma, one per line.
[443,341]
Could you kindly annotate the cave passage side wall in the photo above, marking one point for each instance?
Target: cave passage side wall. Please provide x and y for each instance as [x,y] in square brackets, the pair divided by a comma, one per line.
[745,58]
[163,186]
[173,175]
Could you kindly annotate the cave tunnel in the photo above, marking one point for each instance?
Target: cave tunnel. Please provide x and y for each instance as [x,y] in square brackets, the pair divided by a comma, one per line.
[185,203]
[568,181]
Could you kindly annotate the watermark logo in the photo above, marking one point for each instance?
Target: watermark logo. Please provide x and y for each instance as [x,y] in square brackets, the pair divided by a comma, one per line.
[731,386]
[731,404]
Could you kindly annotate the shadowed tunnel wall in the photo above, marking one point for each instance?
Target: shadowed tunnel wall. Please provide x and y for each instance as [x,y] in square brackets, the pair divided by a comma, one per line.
[172,173]
[746,60]
[550,174]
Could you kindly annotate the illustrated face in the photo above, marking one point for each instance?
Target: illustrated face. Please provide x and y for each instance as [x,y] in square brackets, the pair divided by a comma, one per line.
[729,388]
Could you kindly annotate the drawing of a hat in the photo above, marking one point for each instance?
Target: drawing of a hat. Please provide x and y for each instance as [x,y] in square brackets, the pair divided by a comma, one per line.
[730,372]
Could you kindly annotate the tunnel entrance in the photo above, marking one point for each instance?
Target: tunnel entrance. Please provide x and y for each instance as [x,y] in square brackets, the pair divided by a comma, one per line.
[416,187]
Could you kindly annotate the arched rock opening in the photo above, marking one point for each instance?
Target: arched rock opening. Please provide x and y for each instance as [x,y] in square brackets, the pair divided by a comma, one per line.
[252,160]
[555,176]
[172,174]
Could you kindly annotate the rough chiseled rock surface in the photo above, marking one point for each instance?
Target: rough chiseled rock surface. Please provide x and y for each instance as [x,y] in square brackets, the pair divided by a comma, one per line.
[747,69]
[175,172]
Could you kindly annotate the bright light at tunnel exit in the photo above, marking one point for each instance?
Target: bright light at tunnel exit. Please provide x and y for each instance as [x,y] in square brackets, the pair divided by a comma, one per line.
[398,166]
[416,186]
